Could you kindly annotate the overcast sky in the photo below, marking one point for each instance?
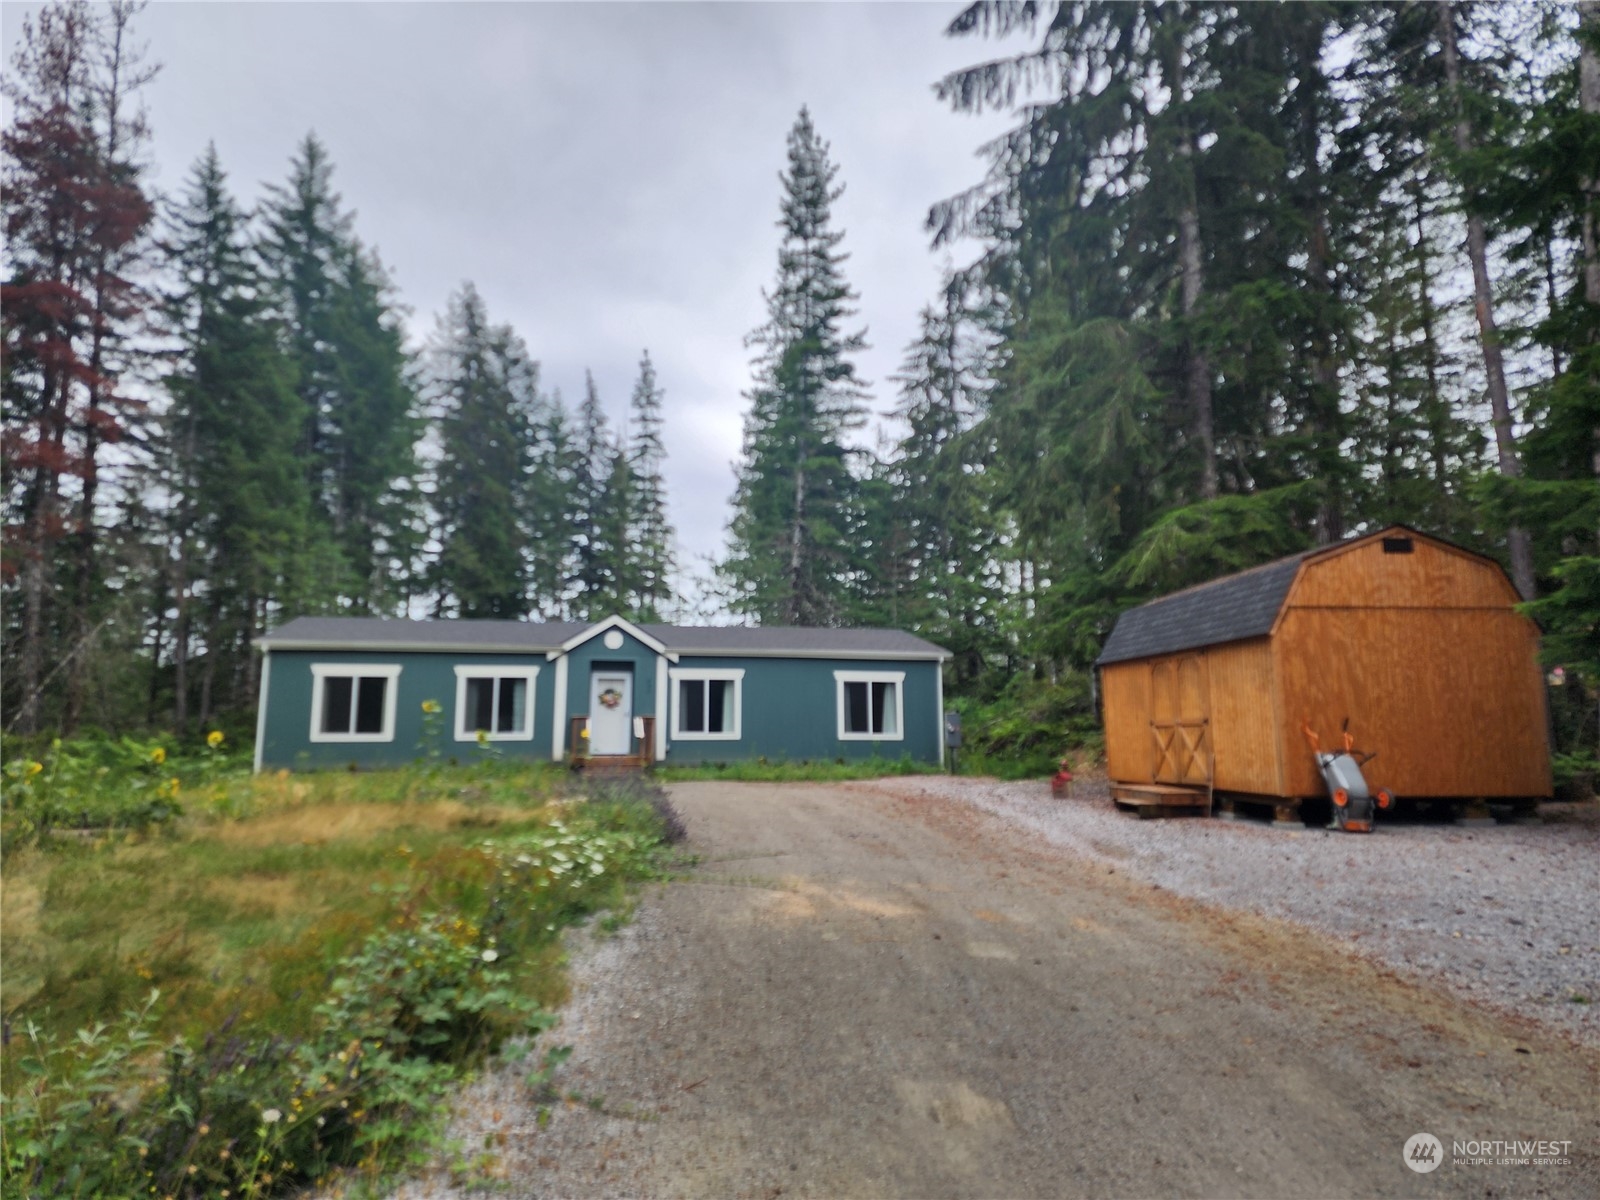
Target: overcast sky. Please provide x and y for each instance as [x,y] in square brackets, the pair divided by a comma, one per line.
[605,173]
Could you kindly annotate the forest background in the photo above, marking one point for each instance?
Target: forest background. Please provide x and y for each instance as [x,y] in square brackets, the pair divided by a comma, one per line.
[1253,278]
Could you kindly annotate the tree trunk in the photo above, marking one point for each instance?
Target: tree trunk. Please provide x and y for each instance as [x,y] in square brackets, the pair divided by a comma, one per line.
[1505,438]
[159,629]
[252,661]
[1589,102]
[180,643]
[1198,365]
[796,540]
[35,566]
[1435,413]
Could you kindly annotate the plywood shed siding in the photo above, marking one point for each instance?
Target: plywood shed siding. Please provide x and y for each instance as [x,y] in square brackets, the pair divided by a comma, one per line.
[1424,654]
[1125,700]
[1243,725]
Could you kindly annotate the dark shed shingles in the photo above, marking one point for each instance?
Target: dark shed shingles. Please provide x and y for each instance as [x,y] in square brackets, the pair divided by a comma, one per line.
[1226,610]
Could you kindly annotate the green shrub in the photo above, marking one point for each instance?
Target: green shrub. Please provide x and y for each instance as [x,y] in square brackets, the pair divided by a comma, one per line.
[1026,730]
[101,783]
[453,957]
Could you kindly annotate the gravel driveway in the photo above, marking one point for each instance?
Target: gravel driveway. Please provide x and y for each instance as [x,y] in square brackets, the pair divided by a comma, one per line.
[1507,915]
[884,990]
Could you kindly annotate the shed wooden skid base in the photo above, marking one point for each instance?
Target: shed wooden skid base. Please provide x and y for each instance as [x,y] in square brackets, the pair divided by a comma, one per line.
[1160,800]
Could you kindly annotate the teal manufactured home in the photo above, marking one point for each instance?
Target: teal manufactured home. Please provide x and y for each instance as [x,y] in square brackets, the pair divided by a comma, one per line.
[337,691]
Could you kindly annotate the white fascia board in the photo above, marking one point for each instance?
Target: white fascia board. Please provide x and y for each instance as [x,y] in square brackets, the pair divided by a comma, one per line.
[851,655]
[327,647]
[662,720]
[261,711]
[558,730]
[615,621]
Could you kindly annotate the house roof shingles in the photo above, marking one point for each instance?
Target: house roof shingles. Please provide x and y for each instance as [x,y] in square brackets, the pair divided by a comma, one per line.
[363,633]
[1225,610]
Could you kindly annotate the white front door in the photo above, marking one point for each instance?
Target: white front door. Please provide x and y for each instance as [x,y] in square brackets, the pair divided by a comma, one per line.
[610,712]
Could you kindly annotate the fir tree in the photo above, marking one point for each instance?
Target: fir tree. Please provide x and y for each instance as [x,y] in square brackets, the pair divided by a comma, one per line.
[650,538]
[486,387]
[944,529]
[241,514]
[593,579]
[790,560]
[550,511]
[354,379]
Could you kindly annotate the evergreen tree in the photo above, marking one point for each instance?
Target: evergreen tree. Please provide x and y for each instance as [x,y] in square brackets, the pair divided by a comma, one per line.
[241,507]
[650,539]
[487,388]
[594,567]
[944,528]
[76,219]
[550,511]
[354,380]
[616,578]
[790,560]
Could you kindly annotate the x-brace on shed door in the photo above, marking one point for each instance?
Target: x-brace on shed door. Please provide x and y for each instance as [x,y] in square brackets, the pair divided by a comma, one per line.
[1180,719]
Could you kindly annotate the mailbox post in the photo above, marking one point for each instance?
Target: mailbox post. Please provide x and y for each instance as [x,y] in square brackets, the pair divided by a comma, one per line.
[952,735]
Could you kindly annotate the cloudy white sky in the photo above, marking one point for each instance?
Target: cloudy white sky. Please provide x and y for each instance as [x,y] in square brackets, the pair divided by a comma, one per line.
[606,173]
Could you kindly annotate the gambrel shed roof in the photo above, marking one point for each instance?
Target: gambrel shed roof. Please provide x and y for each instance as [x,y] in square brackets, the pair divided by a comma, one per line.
[1230,609]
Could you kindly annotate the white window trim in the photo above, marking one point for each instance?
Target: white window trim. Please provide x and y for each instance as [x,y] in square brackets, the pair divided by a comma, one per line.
[735,675]
[898,678]
[493,671]
[321,671]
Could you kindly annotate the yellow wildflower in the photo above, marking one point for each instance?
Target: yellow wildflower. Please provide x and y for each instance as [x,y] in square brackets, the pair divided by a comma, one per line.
[483,737]
[432,706]
[34,768]
[158,755]
[214,738]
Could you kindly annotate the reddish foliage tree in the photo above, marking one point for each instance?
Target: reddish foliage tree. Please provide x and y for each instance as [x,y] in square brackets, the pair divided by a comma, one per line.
[74,219]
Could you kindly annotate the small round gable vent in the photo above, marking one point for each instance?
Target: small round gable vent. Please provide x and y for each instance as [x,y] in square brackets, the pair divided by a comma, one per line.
[614,640]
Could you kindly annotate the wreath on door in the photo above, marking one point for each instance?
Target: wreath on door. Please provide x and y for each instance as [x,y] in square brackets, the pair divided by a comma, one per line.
[611,698]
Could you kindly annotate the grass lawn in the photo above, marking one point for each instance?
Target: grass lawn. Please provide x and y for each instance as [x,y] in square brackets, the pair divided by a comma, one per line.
[284,983]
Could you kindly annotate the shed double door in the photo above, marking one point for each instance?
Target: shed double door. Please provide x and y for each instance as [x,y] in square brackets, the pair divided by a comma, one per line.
[1180,719]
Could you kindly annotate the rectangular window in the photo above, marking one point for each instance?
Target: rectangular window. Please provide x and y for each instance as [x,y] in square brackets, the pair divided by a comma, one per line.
[871,705]
[353,703]
[706,703]
[497,700]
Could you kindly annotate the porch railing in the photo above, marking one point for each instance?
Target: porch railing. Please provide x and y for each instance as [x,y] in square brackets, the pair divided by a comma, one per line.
[644,740]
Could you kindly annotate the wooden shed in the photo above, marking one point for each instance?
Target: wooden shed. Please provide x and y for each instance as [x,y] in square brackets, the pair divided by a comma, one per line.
[1414,640]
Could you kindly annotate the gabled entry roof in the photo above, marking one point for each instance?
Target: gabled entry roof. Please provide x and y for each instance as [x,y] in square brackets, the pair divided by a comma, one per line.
[558,637]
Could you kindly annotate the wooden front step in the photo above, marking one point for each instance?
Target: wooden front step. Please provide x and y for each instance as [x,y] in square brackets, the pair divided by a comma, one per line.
[611,764]
[1160,799]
